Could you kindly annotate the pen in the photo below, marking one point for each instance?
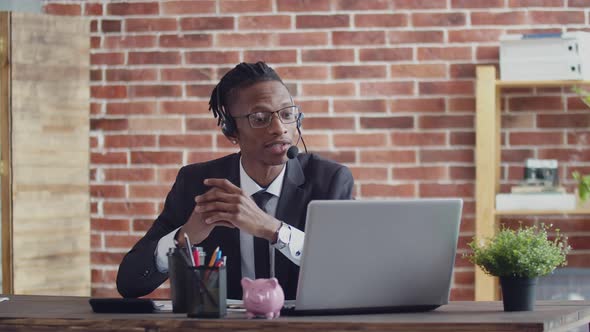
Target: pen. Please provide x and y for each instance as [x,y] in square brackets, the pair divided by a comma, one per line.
[188,248]
[196,256]
[213,257]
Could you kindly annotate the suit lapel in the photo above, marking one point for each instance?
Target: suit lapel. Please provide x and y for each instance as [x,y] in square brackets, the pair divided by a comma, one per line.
[233,252]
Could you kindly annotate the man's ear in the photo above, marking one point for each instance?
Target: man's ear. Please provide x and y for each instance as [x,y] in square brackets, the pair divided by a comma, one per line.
[233,139]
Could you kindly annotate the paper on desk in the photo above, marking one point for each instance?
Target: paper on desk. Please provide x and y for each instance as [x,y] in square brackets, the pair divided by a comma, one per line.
[162,305]
[2,299]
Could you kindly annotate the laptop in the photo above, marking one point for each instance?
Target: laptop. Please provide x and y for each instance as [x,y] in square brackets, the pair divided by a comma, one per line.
[377,256]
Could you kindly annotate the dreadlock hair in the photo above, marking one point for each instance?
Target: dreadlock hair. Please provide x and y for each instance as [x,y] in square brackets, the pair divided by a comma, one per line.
[241,76]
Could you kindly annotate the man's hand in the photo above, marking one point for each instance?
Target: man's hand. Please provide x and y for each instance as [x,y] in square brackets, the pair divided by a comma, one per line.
[196,228]
[227,203]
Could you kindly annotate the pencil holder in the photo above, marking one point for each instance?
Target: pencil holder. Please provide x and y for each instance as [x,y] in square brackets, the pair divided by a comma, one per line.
[177,266]
[207,292]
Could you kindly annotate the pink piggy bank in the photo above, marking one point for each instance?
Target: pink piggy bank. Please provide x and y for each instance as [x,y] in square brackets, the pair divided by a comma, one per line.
[263,297]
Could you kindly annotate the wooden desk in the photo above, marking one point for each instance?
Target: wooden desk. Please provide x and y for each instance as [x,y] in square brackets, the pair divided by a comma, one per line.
[47,313]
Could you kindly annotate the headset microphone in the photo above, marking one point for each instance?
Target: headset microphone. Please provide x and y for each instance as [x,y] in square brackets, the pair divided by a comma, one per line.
[292,152]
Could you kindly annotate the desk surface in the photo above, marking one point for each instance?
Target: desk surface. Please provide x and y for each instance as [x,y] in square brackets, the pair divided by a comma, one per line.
[50,313]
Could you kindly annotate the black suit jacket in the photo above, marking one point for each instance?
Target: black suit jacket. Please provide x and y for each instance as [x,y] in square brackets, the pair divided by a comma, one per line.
[308,177]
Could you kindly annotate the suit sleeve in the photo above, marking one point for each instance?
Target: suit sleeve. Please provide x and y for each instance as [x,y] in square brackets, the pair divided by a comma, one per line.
[341,185]
[138,274]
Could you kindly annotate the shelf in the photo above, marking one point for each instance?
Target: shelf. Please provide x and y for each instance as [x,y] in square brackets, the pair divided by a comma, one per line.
[528,84]
[540,212]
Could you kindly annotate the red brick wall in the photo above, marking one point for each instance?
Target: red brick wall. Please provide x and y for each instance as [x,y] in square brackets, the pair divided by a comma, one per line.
[387,88]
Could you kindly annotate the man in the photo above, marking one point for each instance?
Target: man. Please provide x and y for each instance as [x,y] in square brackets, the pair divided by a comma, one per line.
[211,202]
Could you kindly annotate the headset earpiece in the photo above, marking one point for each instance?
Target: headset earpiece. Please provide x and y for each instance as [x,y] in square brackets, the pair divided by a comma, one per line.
[228,127]
[299,119]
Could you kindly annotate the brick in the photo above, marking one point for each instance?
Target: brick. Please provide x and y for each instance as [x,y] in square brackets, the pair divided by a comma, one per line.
[93,207]
[563,120]
[313,106]
[199,90]
[155,124]
[118,42]
[474,35]
[446,121]
[415,37]
[328,89]
[424,70]
[578,3]
[317,141]
[244,6]
[129,141]
[360,106]
[444,53]
[510,121]
[303,39]
[302,72]
[419,4]
[129,174]
[148,191]
[418,139]
[150,24]
[108,158]
[536,138]
[183,107]
[516,155]
[212,57]
[303,5]
[271,56]
[419,173]
[94,28]
[477,4]
[110,26]
[93,145]
[359,140]
[322,21]
[201,124]
[387,122]
[575,104]
[461,104]
[185,141]
[93,9]
[418,105]
[388,190]
[578,260]
[156,157]
[451,87]
[446,156]
[96,75]
[380,20]
[62,9]
[462,172]
[95,241]
[186,41]
[121,241]
[275,22]
[385,54]
[578,138]
[199,157]
[464,278]
[388,156]
[462,70]
[447,190]
[332,123]
[499,18]
[207,23]
[364,71]
[141,225]
[187,74]
[462,138]
[107,191]
[131,75]
[135,8]
[127,108]
[108,91]
[153,58]
[537,3]
[358,37]
[579,242]
[328,55]
[438,19]
[96,109]
[386,88]
[155,91]
[107,59]
[565,155]
[95,42]
[244,40]
[369,173]
[341,156]
[109,124]
[187,7]
[361,5]
[102,258]
[487,53]
[557,17]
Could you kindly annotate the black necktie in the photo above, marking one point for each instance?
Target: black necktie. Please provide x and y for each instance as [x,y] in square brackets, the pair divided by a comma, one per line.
[261,246]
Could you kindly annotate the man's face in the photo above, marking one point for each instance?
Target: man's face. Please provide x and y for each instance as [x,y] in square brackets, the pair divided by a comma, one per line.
[263,146]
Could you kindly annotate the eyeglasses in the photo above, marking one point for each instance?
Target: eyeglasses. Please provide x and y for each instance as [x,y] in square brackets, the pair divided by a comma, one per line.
[287,115]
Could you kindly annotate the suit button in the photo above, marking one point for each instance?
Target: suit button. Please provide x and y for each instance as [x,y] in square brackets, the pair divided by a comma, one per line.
[297,253]
[146,273]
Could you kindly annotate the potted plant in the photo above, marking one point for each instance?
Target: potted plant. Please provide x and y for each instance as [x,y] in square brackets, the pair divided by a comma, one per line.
[518,257]
[583,189]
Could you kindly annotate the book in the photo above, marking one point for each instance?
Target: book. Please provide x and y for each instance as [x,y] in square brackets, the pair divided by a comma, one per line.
[536,201]
[537,189]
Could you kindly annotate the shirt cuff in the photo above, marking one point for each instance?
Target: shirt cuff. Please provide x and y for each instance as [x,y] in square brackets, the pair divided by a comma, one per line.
[294,249]
[161,254]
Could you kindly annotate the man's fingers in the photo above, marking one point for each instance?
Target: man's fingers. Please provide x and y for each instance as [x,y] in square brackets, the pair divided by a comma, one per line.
[223,184]
[214,195]
[216,206]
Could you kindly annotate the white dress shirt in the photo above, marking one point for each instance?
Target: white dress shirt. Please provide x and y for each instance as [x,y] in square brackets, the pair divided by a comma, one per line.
[292,251]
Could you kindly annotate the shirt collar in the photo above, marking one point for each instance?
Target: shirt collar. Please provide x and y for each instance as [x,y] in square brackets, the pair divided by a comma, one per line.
[249,186]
